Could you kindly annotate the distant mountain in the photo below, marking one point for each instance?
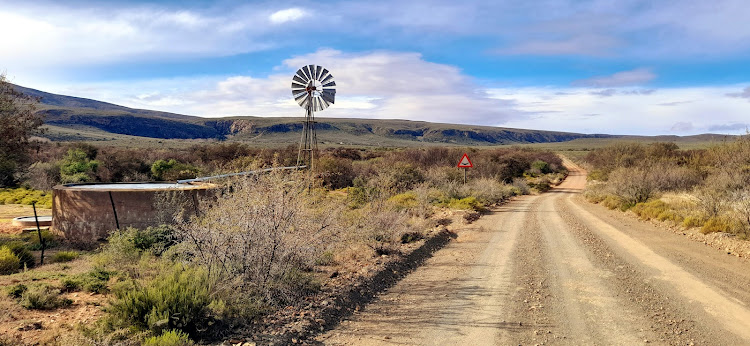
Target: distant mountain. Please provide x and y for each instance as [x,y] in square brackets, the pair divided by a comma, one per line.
[77,113]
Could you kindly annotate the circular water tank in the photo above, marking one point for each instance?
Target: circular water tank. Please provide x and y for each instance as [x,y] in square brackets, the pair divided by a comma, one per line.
[86,213]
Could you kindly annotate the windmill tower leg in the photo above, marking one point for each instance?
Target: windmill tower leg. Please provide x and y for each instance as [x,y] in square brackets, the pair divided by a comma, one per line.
[308,143]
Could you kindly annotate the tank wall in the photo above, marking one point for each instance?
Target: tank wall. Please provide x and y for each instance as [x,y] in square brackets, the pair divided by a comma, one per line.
[86,216]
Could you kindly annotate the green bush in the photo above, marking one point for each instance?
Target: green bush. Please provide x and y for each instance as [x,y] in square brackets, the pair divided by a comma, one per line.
[64,256]
[153,239]
[326,259]
[32,239]
[173,170]
[78,167]
[650,210]
[404,201]
[16,291]
[692,221]
[43,298]
[178,298]
[716,224]
[169,338]
[410,237]
[9,262]
[71,284]
[26,196]
[22,252]
[468,203]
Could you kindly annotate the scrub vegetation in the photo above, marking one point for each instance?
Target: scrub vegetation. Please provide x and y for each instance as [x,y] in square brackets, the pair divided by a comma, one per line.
[703,188]
[270,241]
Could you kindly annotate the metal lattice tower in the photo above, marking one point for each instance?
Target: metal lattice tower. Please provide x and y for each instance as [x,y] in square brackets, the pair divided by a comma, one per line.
[314,90]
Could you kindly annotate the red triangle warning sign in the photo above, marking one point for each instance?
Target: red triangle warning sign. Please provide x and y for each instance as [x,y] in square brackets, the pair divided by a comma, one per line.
[465,162]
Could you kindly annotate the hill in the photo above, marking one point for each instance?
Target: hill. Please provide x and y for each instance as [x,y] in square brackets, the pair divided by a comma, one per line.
[74,118]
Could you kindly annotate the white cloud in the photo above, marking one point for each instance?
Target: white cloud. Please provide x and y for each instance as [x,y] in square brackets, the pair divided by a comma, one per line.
[586,44]
[287,15]
[705,109]
[381,84]
[743,94]
[638,76]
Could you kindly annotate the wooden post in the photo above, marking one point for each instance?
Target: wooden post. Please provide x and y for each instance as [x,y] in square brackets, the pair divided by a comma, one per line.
[464,175]
[39,232]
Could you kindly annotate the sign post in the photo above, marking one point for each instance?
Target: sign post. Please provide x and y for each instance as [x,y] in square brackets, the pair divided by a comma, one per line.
[465,163]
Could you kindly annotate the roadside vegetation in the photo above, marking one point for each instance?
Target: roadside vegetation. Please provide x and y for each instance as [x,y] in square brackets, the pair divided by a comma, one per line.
[266,242]
[703,188]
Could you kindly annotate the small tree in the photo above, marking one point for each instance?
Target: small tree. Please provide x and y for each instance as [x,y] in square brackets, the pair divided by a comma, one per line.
[78,167]
[18,122]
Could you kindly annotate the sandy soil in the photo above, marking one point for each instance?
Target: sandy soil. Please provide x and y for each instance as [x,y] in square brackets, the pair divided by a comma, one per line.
[554,269]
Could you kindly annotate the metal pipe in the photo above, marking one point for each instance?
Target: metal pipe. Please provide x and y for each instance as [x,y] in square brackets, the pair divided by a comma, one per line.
[39,232]
[185,181]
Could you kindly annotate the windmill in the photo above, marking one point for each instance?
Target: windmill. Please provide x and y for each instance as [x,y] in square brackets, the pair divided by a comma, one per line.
[314,90]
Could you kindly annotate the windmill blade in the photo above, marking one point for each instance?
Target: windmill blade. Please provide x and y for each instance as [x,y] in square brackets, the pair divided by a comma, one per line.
[319,101]
[299,80]
[325,103]
[328,78]
[299,77]
[310,70]
[299,95]
[305,73]
[328,98]
[318,71]
[324,74]
[330,84]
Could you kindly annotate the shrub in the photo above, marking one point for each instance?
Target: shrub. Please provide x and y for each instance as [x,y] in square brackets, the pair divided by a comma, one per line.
[539,167]
[78,166]
[64,256]
[43,298]
[335,173]
[612,202]
[153,239]
[16,291]
[521,186]
[169,338]
[692,221]
[716,224]
[410,237]
[633,185]
[403,176]
[32,239]
[468,203]
[326,259]
[404,201]
[471,217]
[26,196]
[71,284]
[9,262]
[650,210]
[178,298]
[44,175]
[22,252]
[173,170]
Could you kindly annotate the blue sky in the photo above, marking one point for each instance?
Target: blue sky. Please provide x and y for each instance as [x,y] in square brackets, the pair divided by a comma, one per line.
[620,67]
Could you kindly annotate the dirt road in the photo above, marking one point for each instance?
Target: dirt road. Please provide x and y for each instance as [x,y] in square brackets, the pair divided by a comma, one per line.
[554,269]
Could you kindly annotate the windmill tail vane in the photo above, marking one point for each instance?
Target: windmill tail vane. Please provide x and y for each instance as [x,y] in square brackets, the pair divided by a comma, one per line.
[314,89]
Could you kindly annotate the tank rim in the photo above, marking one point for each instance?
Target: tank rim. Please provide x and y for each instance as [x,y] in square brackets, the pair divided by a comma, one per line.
[185,186]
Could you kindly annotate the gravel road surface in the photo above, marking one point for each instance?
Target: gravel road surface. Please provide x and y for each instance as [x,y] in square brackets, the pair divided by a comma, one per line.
[554,269]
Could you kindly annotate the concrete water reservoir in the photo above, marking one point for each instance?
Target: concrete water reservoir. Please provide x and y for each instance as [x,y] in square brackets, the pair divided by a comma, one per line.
[86,213]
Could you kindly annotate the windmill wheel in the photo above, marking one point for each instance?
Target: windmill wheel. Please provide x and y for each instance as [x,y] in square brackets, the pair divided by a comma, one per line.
[313,86]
